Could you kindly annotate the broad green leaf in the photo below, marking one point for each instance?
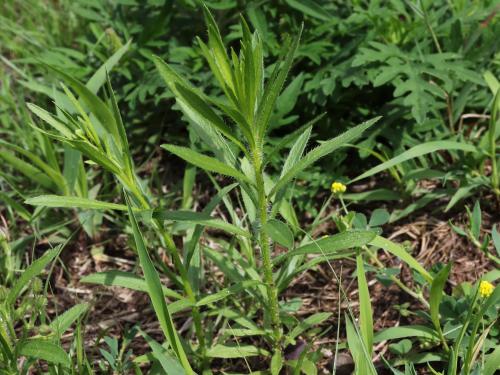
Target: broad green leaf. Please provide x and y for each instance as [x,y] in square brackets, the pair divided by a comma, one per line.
[33,270]
[436,294]
[206,162]
[279,232]
[62,323]
[492,362]
[73,202]
[402,254]
[155,292]
[365,306]
[324,149]
[124,280]
[276,363]
[415,152]
[44,349]
[379,216]
[236,351]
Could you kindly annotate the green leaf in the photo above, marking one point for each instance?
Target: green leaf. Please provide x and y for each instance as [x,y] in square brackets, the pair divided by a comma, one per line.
[307,323]
[73,202]
[380,216]
[43,349]
[276,363]
[93,103]
[296,151]
[170,364]
[206,162]
[311,8]
[62,323]
[51,120]
[324,149]
[33,173]
[200,218]
[236,351]
[274,87]
[33,270]
[495,236]
[492,362]
[362,361]
[365,306]
[436,294]
[332,244]
[414,152]
[475,219]
[402,254]
[155,292]
[279,232]
[124,280]
[395,333]
[99,77]
[226,292]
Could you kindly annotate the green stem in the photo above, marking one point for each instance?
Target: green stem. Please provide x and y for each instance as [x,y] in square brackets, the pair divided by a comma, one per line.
[272,291]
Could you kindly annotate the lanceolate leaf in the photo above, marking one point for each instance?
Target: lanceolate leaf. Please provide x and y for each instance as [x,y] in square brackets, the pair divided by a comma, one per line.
[402,254]
[206,162]
[62,323]
[124,280]
[436,294]
[365,306]
[170,364]
[43,349]
[415,152]
[274,87]
[73,202]
[279,232]
[33,270]
[236,351]
[156,293]
[332,244]
[99,77]
[324,149]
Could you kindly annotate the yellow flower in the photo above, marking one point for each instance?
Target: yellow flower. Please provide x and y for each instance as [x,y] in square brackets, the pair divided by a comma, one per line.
[485,289]
[338,188]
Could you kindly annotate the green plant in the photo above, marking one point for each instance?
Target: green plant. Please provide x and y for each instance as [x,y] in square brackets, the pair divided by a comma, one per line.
[240,153]
[24,331]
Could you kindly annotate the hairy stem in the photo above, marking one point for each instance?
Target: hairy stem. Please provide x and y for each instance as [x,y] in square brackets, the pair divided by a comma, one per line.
[272,291]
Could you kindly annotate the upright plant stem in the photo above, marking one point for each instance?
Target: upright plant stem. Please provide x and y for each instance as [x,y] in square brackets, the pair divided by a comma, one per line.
[272,292]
